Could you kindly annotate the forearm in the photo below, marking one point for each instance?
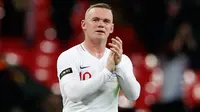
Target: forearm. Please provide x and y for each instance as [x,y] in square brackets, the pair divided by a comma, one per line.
[128,83]
[130,87]
[78,90]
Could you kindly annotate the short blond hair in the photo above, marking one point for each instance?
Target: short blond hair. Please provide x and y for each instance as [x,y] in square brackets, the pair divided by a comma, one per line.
[99,5]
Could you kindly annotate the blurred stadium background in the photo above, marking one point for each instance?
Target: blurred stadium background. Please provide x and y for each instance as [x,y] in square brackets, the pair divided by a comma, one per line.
[34,32]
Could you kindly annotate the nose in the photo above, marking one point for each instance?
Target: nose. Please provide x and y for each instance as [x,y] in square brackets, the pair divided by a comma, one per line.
[101,24]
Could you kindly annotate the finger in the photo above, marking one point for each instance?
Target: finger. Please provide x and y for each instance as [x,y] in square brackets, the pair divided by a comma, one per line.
[120,44]
[111,53]
[115,51]
[114,46]
[119,39]
[115,41]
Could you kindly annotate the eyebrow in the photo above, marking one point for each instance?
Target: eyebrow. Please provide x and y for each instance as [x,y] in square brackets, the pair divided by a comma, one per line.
[101,18]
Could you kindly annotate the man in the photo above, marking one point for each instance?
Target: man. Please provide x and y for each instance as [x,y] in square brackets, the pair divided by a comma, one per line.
[90,74]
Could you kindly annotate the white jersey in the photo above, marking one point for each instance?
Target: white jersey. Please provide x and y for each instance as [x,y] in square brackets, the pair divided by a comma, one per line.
[87,86]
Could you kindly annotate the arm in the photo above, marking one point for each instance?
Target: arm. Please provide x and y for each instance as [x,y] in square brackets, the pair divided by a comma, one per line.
[70,82]
[124,71]
[128,83]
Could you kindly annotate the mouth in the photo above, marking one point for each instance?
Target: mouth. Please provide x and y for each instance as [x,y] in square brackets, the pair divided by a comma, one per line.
[100,31]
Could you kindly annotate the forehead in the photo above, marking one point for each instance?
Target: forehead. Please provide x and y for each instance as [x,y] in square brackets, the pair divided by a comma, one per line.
[100,12]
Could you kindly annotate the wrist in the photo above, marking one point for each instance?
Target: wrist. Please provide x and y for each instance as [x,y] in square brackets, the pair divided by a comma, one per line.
[109,70]
[119,65]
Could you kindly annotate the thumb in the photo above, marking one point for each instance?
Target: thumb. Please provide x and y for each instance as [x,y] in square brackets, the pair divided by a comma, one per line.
[112,53]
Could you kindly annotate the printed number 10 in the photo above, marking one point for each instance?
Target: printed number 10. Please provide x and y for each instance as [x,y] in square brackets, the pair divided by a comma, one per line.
[85,76]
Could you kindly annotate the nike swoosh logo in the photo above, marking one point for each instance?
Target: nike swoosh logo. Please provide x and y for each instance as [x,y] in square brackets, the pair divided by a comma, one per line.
[83,67]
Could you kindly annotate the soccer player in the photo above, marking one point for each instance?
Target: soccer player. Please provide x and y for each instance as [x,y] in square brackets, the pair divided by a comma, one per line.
[91,75]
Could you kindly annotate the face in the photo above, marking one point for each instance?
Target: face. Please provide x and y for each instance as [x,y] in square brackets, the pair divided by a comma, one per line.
[98,24]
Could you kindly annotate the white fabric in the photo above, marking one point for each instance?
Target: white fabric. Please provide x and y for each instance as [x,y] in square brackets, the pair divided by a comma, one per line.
[99,93]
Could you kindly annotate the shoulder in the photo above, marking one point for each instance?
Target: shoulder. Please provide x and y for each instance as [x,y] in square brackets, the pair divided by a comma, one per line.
[69,54]
[126,58]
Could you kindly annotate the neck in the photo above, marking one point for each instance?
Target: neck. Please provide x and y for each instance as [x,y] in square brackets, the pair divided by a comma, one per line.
[96,49]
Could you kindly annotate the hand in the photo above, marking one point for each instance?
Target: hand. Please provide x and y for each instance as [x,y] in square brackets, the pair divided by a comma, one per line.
[111,62]
[116,47]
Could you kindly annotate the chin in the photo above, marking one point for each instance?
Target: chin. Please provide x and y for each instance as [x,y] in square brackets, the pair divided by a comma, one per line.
[99,39]
[103,36]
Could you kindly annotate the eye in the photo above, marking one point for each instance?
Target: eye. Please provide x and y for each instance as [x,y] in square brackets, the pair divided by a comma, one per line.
[95,19]
[106,21]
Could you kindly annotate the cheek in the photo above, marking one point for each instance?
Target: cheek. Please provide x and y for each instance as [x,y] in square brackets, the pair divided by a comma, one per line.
[109,29]
[93,26]
[90,26]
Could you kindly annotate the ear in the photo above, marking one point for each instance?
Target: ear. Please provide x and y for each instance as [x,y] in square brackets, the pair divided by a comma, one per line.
[83,24]
[112,28]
